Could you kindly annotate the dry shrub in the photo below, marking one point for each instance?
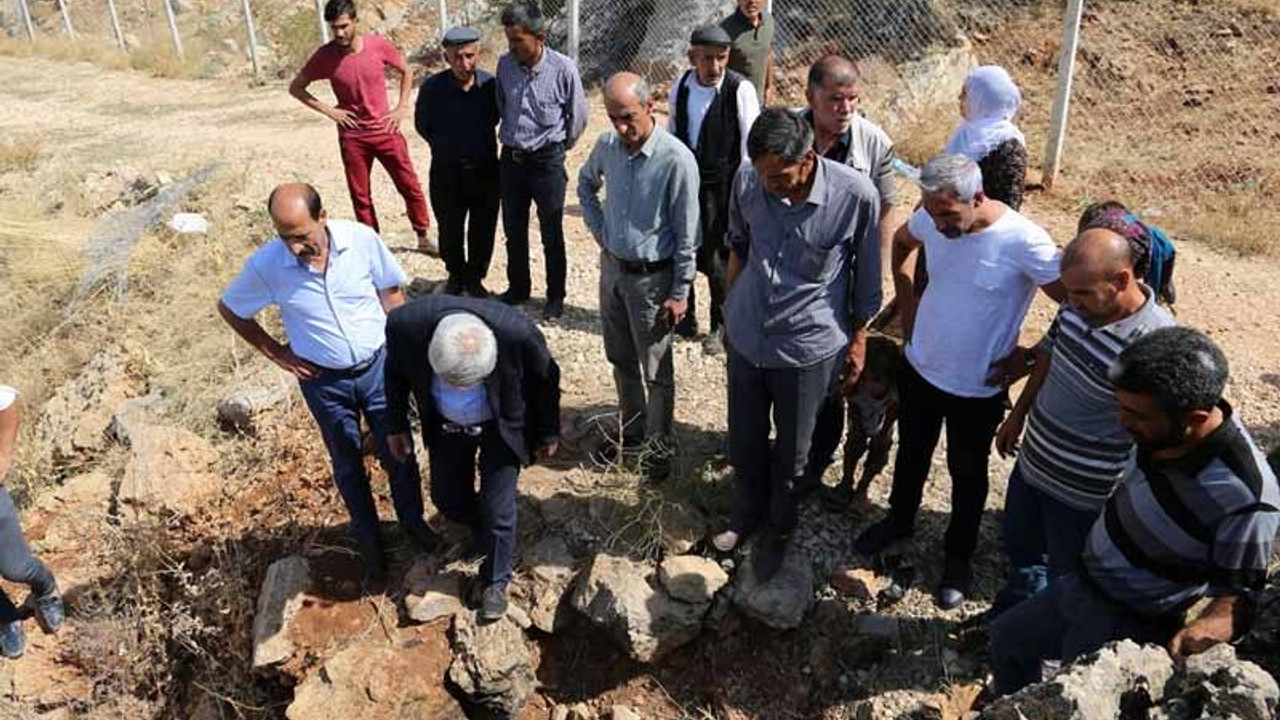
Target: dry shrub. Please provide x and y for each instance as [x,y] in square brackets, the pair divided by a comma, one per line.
[20,155]
[1239,224]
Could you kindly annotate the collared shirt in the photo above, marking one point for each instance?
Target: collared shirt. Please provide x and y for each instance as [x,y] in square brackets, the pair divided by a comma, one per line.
[1075,449]
[650,211]
[1177,530]
[461,405]
[752,46]
[459,124]
[332,318]
[811,271]
[540,105]
[700,99]
[865,147]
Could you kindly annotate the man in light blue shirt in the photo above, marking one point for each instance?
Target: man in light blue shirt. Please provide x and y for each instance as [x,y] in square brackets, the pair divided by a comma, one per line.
[647,229]
[334,282]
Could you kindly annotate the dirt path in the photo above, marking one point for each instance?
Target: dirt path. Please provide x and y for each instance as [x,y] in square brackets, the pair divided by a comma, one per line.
[90,120]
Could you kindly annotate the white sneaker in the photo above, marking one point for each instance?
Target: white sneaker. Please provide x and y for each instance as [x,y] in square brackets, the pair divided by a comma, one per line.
[726,541]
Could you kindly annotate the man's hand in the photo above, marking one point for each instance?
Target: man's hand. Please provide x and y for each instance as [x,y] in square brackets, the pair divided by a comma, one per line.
[391,121]
[1203,633]
[855,358]
[345,118]
[401,446]
[1011,368]
[674,310]
[1009,434]
[548,451]
[286,359]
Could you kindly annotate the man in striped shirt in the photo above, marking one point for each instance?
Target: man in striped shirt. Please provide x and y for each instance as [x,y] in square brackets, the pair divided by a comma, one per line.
[1196,517]
[1075,450]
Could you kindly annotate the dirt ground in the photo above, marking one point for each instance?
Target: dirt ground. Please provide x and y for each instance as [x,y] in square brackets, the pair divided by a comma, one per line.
[87,120]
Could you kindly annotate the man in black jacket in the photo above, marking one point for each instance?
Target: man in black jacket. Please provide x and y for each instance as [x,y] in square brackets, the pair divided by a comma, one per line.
[488,393]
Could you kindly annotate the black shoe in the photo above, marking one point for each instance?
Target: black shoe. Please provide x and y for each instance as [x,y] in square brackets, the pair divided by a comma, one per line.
[513,299]
[877,538]
[478,290]
[837,499]
[422,539]
[554,309]
[957,581]
[687,328]
[766,559]
[493,604]
[454,286]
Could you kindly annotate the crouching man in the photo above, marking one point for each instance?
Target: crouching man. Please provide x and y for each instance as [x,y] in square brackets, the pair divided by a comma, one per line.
[488,394]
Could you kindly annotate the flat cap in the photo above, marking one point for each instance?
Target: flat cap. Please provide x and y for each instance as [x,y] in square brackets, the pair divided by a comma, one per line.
[710,35]
[461,35]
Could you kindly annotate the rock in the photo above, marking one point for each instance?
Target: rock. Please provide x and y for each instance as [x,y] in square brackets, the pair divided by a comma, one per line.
[169,468]
[73,422]
[261,387]
[858,583]
[1095,687]
[550,559]
[550,565]
[691,578]
[622,712]
[278,602]
[188,223]
[616,595]
[782,601]
[683,526]
[1223,686]
[131,415]
[878,626]
[899,705]
[492,667]
[433,597]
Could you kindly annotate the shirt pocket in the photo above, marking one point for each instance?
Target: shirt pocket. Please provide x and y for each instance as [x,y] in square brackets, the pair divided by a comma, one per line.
[547,112]
[813,263]
[991,275]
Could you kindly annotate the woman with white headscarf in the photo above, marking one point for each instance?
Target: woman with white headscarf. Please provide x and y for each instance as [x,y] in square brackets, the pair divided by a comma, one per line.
[989,102]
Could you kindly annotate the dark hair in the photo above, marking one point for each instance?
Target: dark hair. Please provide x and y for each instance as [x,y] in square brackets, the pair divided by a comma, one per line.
[882,359]
[1114,216]
[335,9]
[1181,368]
[838,69]
[780,132]
[312,197]
[525,15]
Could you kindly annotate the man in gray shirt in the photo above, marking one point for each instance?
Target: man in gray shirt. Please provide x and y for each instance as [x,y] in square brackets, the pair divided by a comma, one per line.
[544,112]
[804,278]
[647,229]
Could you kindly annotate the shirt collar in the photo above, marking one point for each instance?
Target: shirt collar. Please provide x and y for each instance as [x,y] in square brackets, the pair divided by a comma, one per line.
[650,144]
[1212,446]
[844,142]
[1127,325]
[818,192]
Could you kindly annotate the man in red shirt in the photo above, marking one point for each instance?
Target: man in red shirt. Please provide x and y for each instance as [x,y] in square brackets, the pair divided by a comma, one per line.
[354,63]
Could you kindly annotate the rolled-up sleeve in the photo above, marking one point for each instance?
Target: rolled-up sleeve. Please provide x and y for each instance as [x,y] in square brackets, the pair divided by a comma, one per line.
[590,180]
[738,235]
[867,293]
[684,222]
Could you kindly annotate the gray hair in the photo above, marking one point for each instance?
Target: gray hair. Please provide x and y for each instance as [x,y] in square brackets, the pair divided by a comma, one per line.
[463,350]
[525,15]
[639,87]
[780,132]
[953,174]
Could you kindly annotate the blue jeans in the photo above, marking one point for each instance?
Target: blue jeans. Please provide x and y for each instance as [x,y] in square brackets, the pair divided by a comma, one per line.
[1069,619]
[491,512]
[1043,538]
[17,564]
[337,401]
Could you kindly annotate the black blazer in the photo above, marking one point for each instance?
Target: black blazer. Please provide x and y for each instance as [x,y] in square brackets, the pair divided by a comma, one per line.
[524,388]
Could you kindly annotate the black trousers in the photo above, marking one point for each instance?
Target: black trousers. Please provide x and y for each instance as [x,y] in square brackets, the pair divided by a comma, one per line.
[766,473]
[713,254]
[538,177]
[455,458]
[459,191]
[971,428]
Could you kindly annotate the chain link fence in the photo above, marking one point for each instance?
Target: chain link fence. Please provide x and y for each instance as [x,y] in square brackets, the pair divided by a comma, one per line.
[1175,104]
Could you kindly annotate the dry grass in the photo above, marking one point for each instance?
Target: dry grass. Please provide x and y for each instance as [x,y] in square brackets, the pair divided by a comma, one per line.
[154,55]
[1238,224]
[20,155]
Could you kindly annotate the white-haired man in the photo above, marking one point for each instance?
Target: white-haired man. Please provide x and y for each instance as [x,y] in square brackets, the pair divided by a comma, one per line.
[985,261]
[488,394]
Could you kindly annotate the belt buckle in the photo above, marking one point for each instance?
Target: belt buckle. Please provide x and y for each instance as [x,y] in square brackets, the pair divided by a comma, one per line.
[453,428]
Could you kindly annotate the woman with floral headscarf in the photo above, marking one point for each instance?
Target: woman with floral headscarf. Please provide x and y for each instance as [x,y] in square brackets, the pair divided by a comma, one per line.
[989,102]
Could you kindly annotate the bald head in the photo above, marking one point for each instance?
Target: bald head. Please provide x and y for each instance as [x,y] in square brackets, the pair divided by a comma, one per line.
[290,200]
[1099,252]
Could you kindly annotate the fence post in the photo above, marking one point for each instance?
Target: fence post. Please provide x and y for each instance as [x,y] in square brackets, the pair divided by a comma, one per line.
[253,35]
[66,19]
[575,29]
[442,12]
[26,20]
[173,28]
[324,26]
[115,24]
[1062,102]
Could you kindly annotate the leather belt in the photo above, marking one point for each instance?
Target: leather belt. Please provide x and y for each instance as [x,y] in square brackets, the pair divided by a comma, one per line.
[519,155]
[643,267]
[356,370]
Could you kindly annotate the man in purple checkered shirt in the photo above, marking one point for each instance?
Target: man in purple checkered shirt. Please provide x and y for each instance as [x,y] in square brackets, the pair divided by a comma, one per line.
[544,112]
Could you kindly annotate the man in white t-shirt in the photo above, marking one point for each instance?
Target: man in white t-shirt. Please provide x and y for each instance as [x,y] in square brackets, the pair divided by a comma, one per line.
[711,111]
[985,261]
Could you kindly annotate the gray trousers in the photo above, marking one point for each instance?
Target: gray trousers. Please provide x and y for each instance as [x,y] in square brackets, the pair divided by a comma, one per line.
[766,474]
[17,564]
[638,344]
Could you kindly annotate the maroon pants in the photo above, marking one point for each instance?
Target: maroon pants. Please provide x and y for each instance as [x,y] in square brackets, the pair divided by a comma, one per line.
[358,153]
